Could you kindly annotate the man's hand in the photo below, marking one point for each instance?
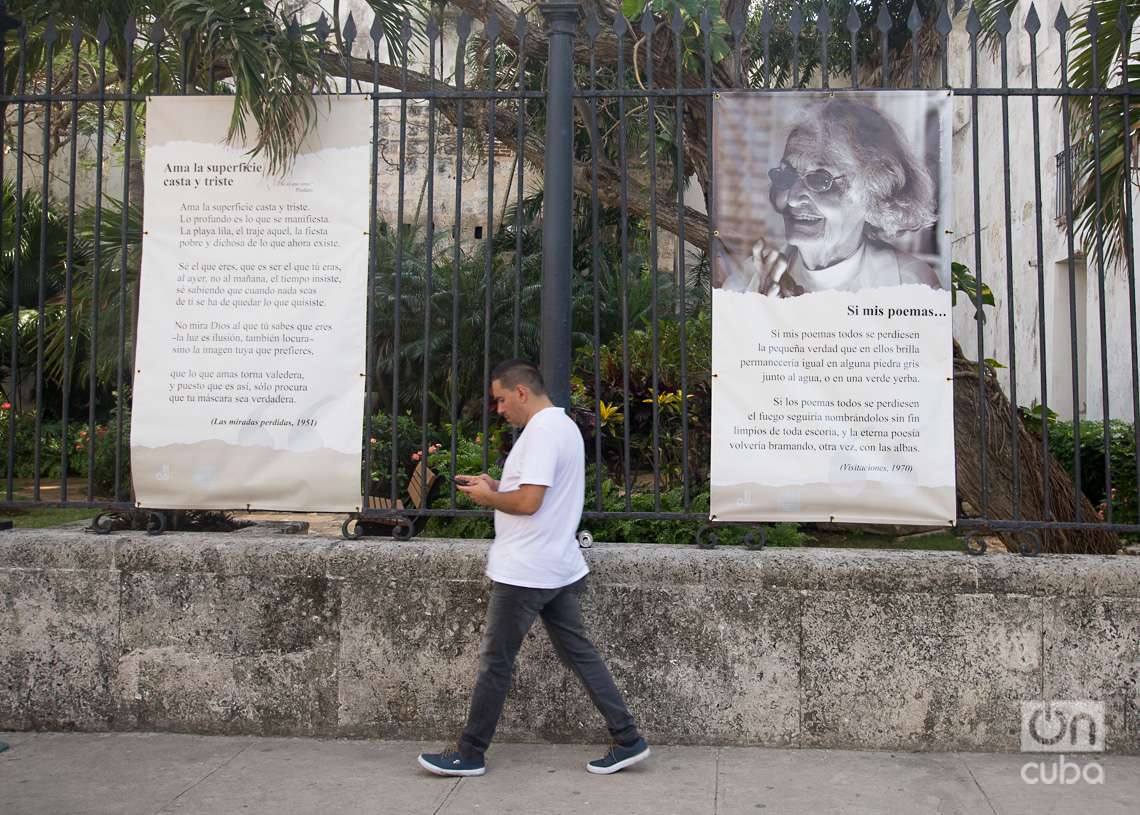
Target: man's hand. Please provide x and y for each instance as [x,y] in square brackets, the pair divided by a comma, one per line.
[479,488]
[484,491]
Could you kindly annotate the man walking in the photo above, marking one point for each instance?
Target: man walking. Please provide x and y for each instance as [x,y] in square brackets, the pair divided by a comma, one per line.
[538,571]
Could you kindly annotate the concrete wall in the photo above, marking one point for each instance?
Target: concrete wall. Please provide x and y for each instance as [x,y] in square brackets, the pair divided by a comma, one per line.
[821,648]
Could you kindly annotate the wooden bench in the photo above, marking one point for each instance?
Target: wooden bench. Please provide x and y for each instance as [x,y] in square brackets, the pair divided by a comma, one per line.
[423,486]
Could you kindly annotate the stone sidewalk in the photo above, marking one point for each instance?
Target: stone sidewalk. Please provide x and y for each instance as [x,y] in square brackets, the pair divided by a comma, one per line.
[153,773]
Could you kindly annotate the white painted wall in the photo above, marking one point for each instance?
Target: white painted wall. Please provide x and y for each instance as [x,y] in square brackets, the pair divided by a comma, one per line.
[988,229]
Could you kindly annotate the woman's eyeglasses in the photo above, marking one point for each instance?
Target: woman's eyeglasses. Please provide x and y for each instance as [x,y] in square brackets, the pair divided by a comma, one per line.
[785,177]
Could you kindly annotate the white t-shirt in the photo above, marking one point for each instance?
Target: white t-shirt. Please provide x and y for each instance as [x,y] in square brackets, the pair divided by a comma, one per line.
[540,551]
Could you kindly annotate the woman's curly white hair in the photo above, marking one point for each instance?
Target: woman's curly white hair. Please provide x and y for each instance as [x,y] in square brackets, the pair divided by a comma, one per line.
[899,188]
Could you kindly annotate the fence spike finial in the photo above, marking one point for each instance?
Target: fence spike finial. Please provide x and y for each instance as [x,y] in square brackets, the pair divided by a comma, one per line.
[349,34]
[463,26]
[1032,21]
[823,20]
[767,22]
[1062,22]
[1123,24]
[130,30]
[376,31]
[521,26]
[883,21]
[648,23]
[322,28]
[854,23]
[678,21]
[593,26]
[103,32]
[1002,23]
[1092,24]
[944,25]
[796,20]
[51,34]
[406,33]
[973,22]
[492,28]
[914,19]
[76,36]
[738,23]
[157,32]
[621,25]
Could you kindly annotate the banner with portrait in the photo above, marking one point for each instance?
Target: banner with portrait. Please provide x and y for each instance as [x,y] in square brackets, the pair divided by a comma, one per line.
[249,381]
[832,397]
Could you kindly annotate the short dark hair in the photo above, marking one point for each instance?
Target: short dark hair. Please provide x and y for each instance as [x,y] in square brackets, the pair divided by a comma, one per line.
[514,372]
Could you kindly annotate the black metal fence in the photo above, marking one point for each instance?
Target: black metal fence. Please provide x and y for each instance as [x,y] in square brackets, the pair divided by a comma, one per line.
[617,114]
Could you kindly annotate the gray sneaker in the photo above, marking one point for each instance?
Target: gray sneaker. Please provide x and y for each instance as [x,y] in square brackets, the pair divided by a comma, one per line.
[618,758]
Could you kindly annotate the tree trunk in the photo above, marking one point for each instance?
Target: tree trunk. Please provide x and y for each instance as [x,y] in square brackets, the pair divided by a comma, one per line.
[1001,422]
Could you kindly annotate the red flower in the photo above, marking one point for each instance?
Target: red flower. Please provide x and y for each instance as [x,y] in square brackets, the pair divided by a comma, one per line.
[6,406]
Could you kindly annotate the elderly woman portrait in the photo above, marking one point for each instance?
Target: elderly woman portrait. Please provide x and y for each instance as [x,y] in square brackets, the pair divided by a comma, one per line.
[848,184]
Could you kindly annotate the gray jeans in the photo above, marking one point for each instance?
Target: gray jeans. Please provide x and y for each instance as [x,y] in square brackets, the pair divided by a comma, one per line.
[510,615]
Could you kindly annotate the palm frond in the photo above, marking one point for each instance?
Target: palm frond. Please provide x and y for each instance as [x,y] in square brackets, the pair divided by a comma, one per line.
[1104,151]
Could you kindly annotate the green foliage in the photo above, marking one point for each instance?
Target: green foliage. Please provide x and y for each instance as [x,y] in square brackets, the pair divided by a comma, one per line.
[1121,456]
[23,255]
[248,48]
[1102,149]
[444,305]
[469,454]
[100,291]
[409,434]
[36,224]
[965,281]
[409,438]
[275,71]
[51,439]
[619,530]
[41,517]
[1036,417]
[442,322]
[78,439]
[692,35]
[106,290]
[464,528]
[104,444]
[781,48]
[673,406]
[468,460]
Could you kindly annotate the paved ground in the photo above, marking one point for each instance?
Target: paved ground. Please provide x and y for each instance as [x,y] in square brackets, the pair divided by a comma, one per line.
[153,773]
